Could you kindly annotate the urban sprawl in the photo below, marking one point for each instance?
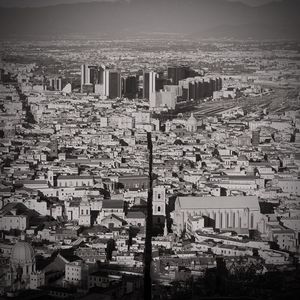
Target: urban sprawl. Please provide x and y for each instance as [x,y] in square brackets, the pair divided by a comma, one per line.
[74,172]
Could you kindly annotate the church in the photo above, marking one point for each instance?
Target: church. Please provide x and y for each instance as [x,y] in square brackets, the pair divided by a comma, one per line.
[227,213]
[22,273]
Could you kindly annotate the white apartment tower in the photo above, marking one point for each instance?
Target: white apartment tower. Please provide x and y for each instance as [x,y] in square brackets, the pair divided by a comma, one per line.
[149,87]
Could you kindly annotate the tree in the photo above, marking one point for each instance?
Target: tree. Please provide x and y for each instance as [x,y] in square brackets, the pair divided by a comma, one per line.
[178,142]
[293,138]
[110,247]
[192,164]
[29,117]
[7,161]
[215,152]
[123,143]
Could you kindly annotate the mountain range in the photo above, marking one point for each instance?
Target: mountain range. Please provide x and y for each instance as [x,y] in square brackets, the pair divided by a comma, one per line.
[125,18]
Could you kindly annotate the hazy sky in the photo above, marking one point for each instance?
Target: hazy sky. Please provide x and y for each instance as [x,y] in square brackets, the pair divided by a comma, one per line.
[52,2]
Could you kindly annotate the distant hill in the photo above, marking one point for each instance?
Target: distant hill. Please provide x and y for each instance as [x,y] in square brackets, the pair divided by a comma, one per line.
[195,18]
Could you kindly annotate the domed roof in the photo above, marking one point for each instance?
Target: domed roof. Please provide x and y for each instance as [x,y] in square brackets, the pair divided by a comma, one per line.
[192,120]
[22,253]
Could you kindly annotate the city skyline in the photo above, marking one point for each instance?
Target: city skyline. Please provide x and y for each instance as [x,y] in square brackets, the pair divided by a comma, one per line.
[150,150]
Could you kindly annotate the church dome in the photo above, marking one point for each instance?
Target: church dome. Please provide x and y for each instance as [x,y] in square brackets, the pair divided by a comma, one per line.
[22,254]
[192,120]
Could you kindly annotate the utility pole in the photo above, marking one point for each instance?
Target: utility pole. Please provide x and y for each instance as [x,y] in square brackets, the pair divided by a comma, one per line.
[148,241]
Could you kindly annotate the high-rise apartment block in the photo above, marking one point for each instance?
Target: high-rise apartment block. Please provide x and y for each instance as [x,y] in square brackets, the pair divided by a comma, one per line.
[55,83]
[149,87]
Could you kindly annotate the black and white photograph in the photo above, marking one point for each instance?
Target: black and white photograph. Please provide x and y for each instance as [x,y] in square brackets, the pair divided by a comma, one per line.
[149,149]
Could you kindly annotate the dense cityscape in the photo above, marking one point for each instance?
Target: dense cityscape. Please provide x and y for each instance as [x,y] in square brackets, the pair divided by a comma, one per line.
[191,144]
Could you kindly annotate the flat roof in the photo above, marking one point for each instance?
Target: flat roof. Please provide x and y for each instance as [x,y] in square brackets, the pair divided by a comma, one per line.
[221,202]
[69,177]
[112,204]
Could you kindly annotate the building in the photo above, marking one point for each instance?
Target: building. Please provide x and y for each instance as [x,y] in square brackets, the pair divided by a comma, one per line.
[289,185]
[255,138]
[102,84]
[1,75]
[84,214]
[234,212]
[149,87]
[196,88]
[22,268]
[194,223]
[90,76]
[166,99]
[130,87]
[134,181]
[76,273]
[113,221]
[159,206]
[111,207]
[102,279]
[74,181]
[67,89]
[191,124]
[284,237]
[115,86]
[244,140]
[136,218]
[55,83]
[142,117]
[177,73]
[14,216]
[37,279]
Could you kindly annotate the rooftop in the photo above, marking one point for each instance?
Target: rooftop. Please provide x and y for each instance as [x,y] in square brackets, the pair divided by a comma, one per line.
[221,202]
[113,204]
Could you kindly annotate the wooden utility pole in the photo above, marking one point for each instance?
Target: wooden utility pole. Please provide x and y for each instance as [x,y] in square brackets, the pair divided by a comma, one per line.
[148,241]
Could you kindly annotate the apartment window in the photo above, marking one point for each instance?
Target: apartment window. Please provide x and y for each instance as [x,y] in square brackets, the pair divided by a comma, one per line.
[158,208]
